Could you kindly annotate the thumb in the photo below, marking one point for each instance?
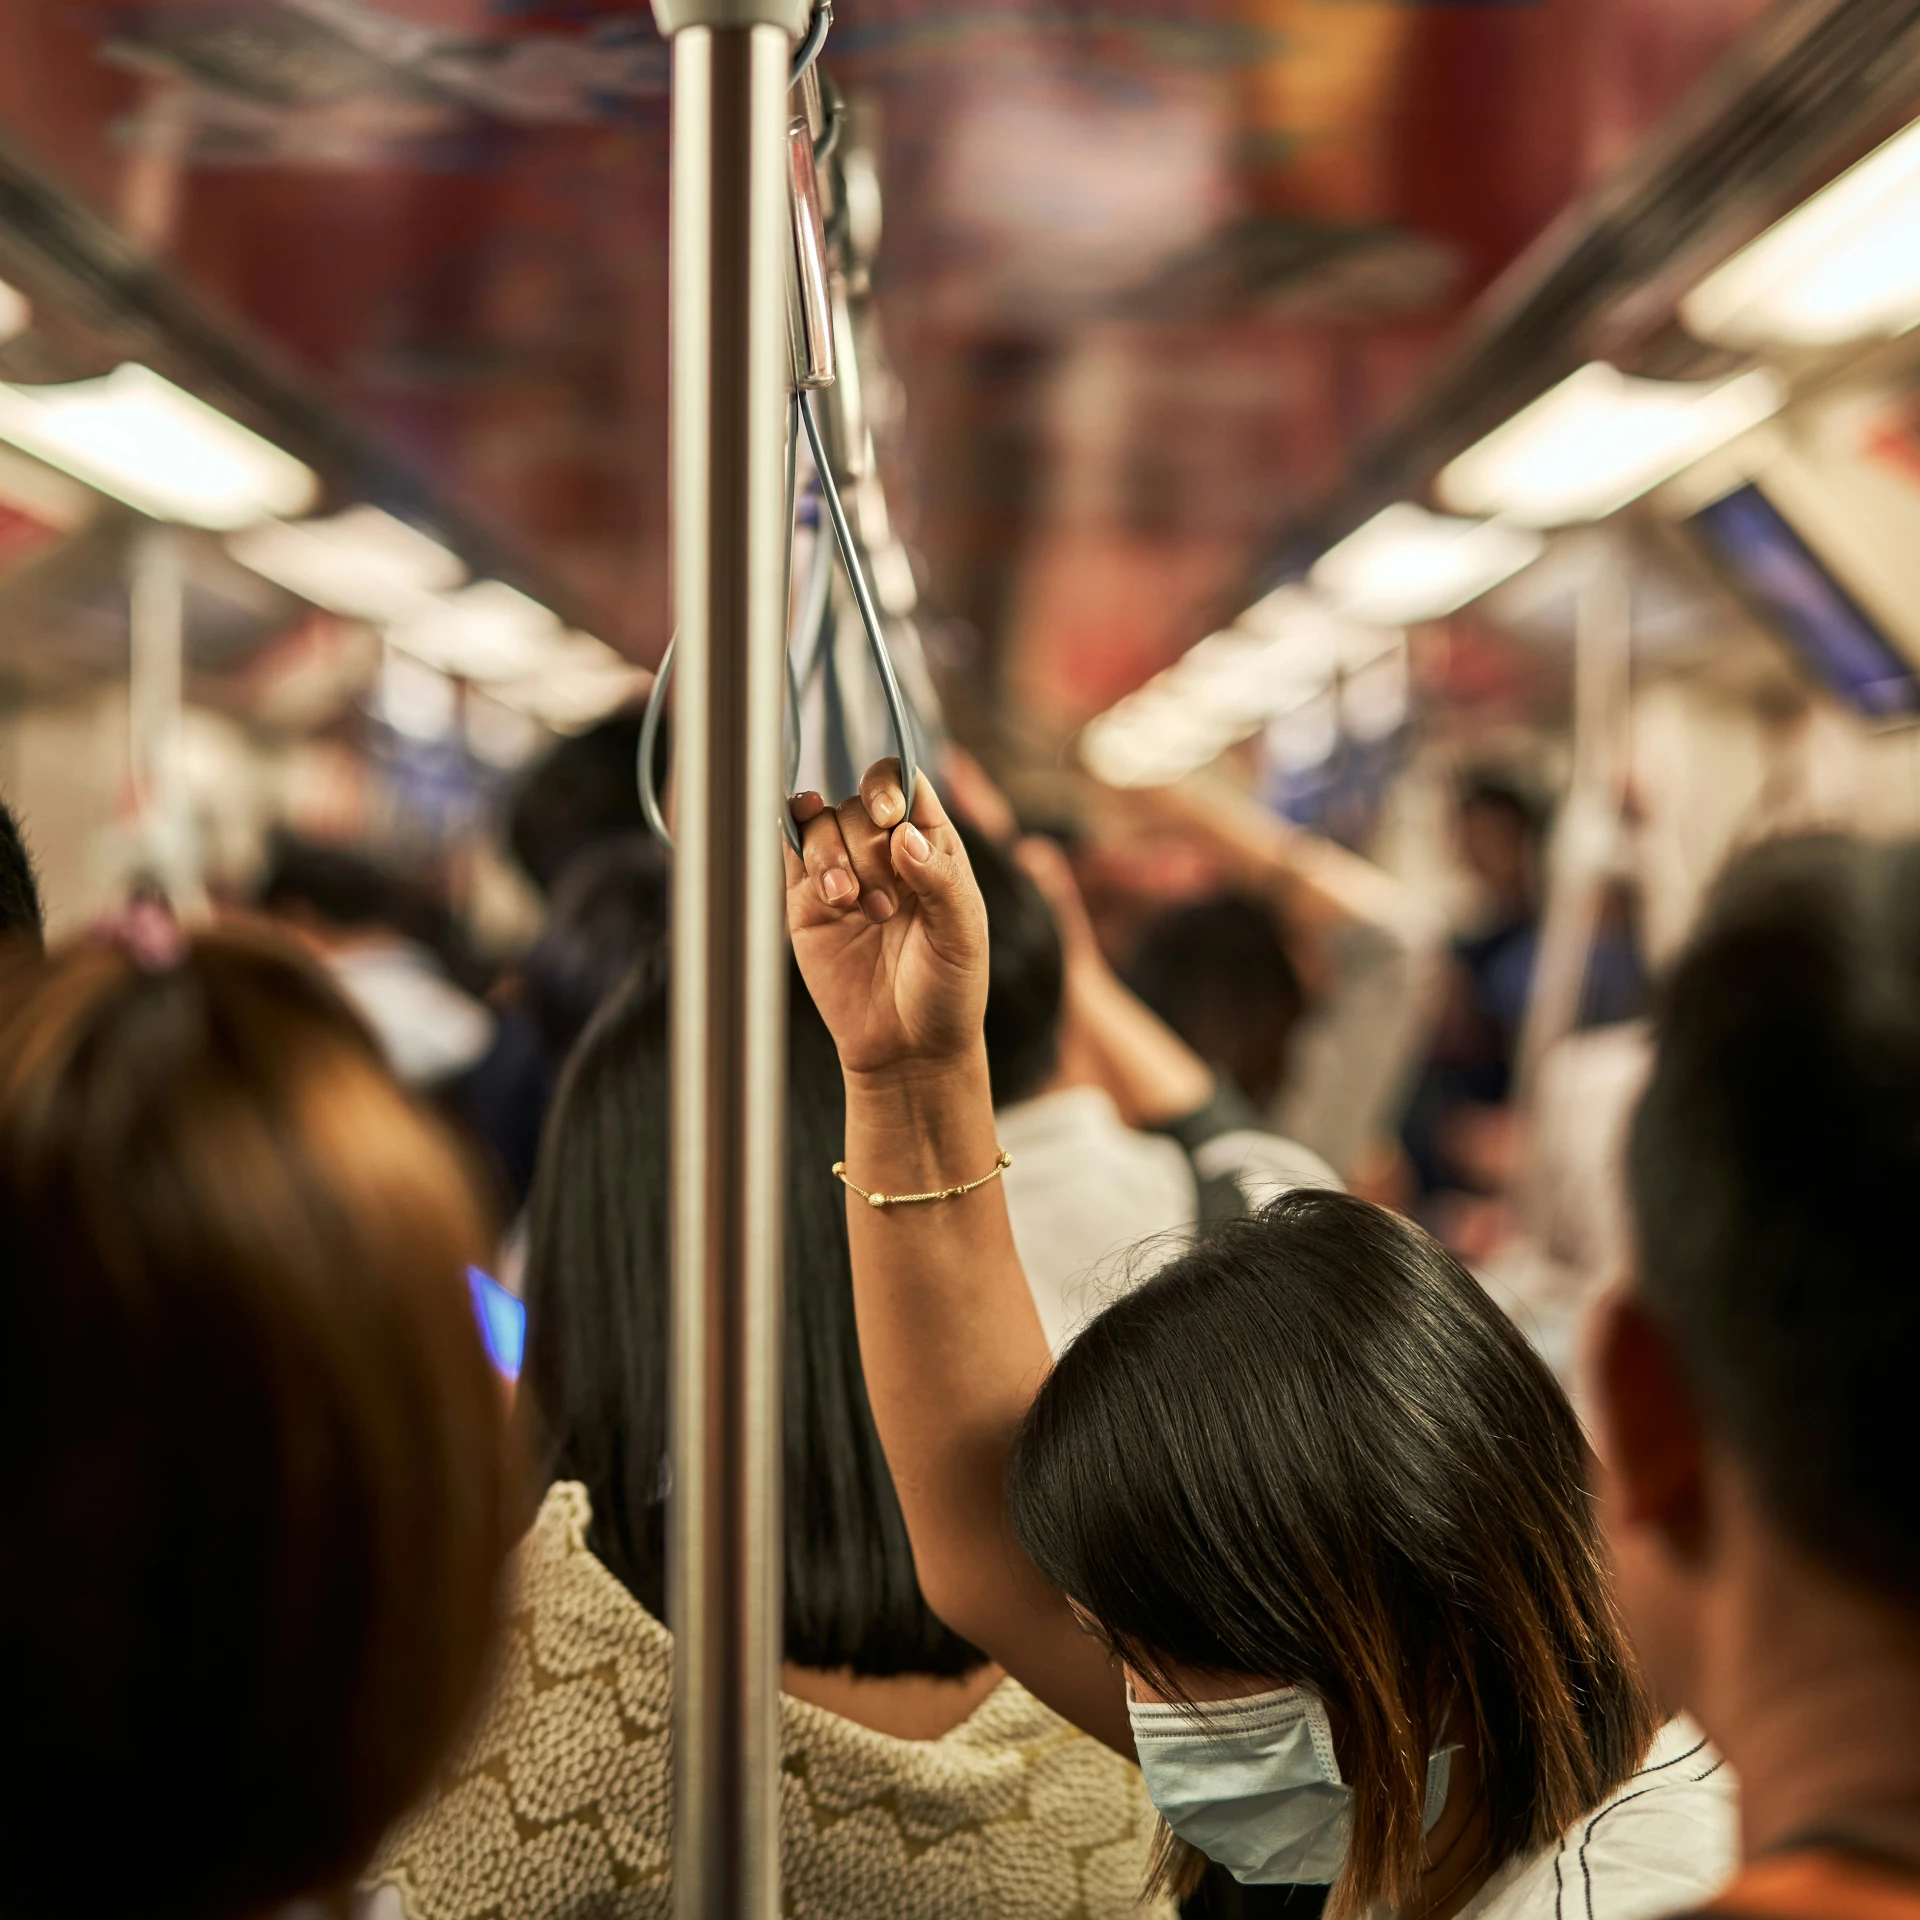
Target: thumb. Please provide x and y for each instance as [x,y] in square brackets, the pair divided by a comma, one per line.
[939,880]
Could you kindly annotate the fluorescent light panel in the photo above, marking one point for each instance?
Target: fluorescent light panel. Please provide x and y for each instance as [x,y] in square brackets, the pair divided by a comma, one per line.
[1598,441]
[1407,564]
[1844,265]
[362,563]
[1280,655]
[489,631]
[143,440]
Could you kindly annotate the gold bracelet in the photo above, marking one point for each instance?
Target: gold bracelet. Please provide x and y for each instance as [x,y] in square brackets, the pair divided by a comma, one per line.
[913,1199]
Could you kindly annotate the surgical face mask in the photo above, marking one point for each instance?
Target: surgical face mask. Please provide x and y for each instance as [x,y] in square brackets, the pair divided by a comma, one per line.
[1255,1786]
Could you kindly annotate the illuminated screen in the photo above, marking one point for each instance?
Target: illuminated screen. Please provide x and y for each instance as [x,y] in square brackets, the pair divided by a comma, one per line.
[1776,572]
[503,1322]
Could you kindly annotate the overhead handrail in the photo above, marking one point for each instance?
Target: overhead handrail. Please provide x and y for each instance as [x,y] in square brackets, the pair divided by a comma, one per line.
[810,374]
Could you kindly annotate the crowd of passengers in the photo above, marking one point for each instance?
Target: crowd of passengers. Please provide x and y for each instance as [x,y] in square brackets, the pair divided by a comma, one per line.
[1266,1570]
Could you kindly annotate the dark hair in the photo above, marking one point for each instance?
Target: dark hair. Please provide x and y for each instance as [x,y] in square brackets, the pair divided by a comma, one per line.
[1312,1451]
[585,790]
[597,1285]
[345,888]
[1218,973]
[1773,1166]
[20,917]
[1026,972]
[610,915]
[1493,792]
[251,1447]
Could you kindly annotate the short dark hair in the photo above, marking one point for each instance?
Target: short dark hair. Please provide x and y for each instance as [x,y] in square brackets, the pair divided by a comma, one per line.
[584,790]
[1026,972]
[1490,791]
[1774,1162]
[1219,974]
[251,1447]
[1312,1451]
[20,916]
[598,1294]
[609,916]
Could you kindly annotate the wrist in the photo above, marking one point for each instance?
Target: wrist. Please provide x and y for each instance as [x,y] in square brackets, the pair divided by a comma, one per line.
[924,1084]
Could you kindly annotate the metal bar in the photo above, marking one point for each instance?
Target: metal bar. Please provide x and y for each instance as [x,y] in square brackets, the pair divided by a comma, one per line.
[732,235]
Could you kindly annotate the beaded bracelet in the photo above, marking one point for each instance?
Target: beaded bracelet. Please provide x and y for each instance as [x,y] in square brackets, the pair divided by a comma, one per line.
[913,1199]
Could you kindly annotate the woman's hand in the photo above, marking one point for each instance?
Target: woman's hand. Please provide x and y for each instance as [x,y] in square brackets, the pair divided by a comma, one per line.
[888,926]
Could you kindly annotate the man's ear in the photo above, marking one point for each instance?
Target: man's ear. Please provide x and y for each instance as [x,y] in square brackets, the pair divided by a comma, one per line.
[1650,1431]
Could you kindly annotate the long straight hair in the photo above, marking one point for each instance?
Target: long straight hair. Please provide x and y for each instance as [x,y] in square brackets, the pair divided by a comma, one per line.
[597,1343]
[1311,1451]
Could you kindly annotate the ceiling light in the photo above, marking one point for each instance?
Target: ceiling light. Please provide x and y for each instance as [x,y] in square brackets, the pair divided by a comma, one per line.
[16,313]
[362,563]
[584,680]
[143,440]
[1150,742]
[1599,440]
[1407,564]
[489,631]
[417,700]
[1842,266]
[1279,656]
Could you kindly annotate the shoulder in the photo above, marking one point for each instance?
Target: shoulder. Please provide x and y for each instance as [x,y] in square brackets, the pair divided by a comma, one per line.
[1664,1840]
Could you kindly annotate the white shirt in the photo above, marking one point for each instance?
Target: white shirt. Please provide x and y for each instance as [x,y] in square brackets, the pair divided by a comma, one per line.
[1098,1207]
[429,1027]
[1663,1842]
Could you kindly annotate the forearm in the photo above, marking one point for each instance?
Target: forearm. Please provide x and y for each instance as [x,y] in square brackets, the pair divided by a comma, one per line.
[1153,1076]
[953,1352]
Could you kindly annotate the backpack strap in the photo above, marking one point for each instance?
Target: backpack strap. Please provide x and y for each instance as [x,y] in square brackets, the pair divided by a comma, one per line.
[1227,1111]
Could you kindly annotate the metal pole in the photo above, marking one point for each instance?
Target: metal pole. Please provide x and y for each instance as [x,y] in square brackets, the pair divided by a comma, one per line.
[732,236]
[1585,841]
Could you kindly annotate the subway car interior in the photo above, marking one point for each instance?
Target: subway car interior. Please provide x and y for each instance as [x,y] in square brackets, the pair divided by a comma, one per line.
[960,960]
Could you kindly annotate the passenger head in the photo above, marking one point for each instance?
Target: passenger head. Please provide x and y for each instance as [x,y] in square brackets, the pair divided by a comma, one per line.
[598,1289]
[1311,1453]
[1026,973]
[1218,973]
[582,792]
[609,915]
[1757,1383]
[19,892]
[1501,829]
[249,1443]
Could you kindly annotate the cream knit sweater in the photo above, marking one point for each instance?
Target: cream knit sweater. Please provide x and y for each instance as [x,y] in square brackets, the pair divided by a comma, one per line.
[559,1803]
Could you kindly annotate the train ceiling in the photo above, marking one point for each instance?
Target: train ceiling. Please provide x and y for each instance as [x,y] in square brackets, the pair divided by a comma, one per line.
[1154,270]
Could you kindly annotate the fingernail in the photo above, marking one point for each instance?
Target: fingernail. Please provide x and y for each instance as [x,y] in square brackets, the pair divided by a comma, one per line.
[838,885]
[887,807]
[915,843]
[879,908]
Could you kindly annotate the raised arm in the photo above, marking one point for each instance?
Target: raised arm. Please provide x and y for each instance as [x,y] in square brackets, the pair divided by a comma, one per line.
[891,936]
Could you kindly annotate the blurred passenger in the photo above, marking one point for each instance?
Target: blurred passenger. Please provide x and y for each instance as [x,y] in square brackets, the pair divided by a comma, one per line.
[1220,975]
[1335,995]
[1461,1131]
[609,916]
[20,915]
[584,791]
[357,917]
[1303,1521]
[917,1780]
[250,1445]
[1120,1133]
[1756,1377]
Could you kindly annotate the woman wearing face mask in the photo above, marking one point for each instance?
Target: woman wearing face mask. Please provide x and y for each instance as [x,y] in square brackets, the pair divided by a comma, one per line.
[1303,1523]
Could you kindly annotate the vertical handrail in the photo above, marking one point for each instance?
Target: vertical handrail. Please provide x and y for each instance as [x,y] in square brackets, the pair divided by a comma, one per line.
[731,239]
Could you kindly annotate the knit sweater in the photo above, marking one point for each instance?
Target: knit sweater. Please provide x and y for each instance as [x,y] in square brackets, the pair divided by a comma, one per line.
[560,1802]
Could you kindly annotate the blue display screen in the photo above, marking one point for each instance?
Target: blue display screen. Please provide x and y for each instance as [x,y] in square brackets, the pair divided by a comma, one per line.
[503,1322]
[1777,573]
